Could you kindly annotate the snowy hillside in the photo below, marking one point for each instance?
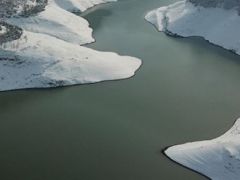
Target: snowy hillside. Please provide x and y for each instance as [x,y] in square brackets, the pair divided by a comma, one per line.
[40,47]
[218,25]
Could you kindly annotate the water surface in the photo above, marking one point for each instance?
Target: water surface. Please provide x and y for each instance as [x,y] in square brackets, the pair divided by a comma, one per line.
[186,90]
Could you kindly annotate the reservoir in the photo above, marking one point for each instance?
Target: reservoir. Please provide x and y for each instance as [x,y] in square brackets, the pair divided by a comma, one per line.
[186,90]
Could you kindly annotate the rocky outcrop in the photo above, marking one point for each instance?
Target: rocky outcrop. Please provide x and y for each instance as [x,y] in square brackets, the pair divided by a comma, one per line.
[9,32]
[20,7]
[17,8]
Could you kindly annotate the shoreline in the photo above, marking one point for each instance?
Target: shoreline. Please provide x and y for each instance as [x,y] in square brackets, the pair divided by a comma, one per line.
[184,20]
[73,32]
[175,27]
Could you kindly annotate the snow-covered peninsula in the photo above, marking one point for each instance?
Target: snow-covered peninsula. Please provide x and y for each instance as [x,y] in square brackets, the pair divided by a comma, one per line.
[218,159]
[40,46]
[217,21]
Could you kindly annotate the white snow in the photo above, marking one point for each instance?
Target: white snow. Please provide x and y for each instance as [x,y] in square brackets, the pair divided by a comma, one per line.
[57,22]
[79,5]
[45,61]
[49,54]
[3,30]
[219,159]
[219,26]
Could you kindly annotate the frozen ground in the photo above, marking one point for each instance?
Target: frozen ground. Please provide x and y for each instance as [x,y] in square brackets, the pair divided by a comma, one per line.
[48,52]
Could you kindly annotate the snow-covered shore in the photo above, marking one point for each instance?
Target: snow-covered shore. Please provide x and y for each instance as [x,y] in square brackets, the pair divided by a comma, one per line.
[218,22]
[218,159]
[49,51]
[218,25]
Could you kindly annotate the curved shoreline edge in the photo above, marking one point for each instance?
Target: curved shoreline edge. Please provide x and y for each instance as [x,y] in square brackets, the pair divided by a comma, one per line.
[49,52]
[219,158]
[216,159]
[183,19]
[163,151]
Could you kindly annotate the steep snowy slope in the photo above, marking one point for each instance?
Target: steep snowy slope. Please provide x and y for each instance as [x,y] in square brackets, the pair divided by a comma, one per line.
[46,51]
[56,22]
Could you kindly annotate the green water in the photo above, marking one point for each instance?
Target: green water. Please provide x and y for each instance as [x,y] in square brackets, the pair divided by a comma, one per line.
[186,90]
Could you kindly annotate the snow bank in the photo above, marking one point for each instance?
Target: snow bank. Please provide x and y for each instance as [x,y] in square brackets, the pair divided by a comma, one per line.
[48,53]
[218,159]
[217,25]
